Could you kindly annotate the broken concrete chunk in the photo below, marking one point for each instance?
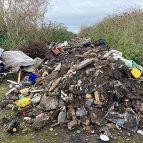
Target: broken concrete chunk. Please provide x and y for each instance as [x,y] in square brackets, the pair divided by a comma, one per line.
[62,117]
[89,129]
[66,97]
[70,114]
[49,103]
[88,96]
[4,103]
[41,121]
[85,121]
[141,108]
[89,102]
[73,124]
[70,72]
[84,64]
[81,112]
[96,115]
[10,106]
[128,120]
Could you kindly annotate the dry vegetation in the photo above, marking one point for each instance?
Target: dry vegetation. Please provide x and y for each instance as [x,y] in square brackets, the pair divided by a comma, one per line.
[23,22]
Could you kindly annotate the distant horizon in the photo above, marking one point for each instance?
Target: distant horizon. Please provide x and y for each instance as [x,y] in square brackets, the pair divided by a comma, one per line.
[75,13]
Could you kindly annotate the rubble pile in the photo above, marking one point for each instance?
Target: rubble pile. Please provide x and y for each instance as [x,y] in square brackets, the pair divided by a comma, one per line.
[88,87]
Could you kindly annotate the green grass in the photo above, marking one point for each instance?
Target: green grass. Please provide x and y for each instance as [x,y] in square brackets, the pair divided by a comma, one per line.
[3,88]
[43,136]
[123,32]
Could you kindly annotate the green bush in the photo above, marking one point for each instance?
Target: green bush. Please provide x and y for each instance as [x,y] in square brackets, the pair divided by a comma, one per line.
[12,36]
[123,32]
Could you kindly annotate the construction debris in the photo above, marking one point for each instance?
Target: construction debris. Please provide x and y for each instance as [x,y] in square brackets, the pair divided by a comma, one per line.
[129,120]
[85,86]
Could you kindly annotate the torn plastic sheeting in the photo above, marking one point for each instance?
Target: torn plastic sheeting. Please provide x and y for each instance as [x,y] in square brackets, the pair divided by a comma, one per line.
[129,63]
[37,63]
[128,120]
[16,59]
[2,67]
[64,44]
[1,51]
[36,98]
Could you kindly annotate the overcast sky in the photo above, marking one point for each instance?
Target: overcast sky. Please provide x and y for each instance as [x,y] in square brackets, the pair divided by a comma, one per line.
[74,13]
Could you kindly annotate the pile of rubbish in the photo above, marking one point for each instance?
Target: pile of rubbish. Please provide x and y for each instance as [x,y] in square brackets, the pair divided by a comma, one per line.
[84,85]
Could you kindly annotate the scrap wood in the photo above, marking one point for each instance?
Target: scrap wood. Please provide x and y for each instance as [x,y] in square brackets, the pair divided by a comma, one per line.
[19,77]
[54,84]
[13,82]
[36,91]
[10,91]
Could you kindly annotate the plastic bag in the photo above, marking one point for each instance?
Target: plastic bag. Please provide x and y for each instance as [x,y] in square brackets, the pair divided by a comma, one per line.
[23,102]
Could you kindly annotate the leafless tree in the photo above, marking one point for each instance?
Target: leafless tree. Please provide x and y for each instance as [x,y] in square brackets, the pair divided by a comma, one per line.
[24,13]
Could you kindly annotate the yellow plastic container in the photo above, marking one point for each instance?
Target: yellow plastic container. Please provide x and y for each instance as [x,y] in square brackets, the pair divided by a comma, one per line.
[136,73]
[23,102]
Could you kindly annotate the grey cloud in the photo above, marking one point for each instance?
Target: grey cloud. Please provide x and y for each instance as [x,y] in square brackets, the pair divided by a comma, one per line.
[73,13]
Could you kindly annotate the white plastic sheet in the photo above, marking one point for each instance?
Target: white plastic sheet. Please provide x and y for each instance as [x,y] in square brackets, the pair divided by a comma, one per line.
[16,59]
